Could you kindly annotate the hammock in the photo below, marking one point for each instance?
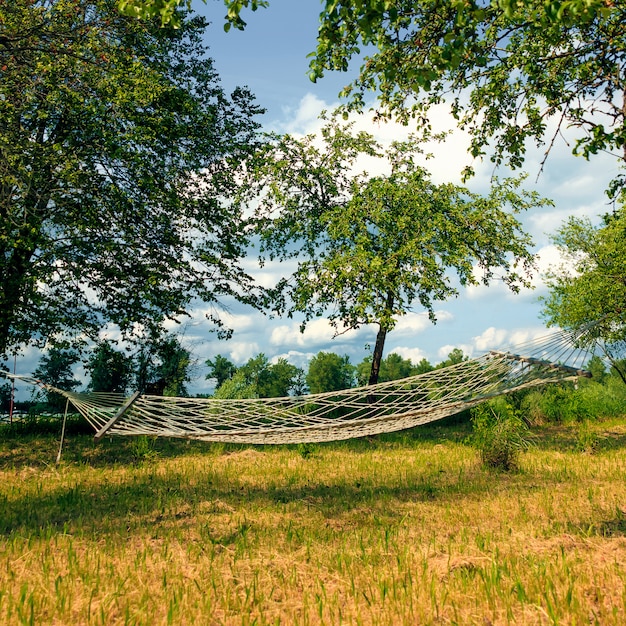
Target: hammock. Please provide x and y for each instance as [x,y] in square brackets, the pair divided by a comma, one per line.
[358,412]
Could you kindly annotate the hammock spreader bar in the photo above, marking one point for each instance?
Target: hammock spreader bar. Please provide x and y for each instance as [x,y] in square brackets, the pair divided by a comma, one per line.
[125,407]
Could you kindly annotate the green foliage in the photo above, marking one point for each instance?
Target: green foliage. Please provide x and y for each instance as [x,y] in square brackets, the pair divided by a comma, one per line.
[370,249]
[5,392]
[258,378]
[109,369]
[117,147]
[455,357]
[590,284]
[500,435]
[143,448]
[221,369]
[592,400]
[392,367]
[511,67]
[164,362]
[55,368]
[330,372]
[236,387]
[587,438]
[163,10]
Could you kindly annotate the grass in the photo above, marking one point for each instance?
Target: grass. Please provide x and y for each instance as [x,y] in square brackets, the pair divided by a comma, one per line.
[401,529]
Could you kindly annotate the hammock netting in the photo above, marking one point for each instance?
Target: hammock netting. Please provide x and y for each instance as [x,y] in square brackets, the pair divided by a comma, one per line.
[357,412]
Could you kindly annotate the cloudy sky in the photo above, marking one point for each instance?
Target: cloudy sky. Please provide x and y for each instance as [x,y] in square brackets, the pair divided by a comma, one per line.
[270,58]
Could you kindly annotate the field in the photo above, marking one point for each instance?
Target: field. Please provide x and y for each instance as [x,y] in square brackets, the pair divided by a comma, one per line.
[402,529]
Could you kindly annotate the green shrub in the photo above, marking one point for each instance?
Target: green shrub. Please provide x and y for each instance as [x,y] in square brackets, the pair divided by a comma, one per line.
[566,403]
[500,435]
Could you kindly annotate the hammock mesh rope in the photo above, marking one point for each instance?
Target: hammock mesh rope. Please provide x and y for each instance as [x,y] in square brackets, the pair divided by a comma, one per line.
[357,412]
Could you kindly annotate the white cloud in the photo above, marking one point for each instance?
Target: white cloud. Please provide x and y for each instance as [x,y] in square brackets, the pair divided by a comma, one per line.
[414,323]
[414,354]
[489,339]
[317,332]
[240,351]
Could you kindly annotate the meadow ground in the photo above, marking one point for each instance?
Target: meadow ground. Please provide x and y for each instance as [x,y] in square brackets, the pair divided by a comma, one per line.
[401,529]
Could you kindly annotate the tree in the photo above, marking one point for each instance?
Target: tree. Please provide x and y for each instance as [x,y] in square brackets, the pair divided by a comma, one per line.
[330,372]
[221,369]
[55,368]
[589,287]
[6,392]
[508,66]
[166,10]
[455,357]
[369,249]
[162,367]
[283,380]
[117,148]
[259,378]
[393,367]
[110,370]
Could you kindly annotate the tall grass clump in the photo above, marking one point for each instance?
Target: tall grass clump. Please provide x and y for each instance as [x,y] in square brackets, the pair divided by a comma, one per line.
[500,435]
[565,403]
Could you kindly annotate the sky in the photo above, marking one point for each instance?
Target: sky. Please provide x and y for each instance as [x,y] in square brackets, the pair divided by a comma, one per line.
[270,57]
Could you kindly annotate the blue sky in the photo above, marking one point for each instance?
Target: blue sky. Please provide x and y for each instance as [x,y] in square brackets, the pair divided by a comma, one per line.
[269,57]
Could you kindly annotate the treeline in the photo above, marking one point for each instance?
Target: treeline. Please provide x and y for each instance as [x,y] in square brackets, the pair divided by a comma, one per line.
[166,368]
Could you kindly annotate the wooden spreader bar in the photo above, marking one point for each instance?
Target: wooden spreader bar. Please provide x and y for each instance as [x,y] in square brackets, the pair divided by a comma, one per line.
[542,363]
[122,410]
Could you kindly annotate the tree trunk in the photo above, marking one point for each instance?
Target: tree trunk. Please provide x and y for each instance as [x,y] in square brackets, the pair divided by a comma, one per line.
[377,357]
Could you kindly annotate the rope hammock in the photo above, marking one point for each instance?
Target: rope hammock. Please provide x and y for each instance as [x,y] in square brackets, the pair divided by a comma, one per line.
[357,412]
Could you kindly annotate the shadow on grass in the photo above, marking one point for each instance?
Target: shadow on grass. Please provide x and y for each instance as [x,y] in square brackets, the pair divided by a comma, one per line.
[151,499]
[28,445]
[150,494]
[143,491]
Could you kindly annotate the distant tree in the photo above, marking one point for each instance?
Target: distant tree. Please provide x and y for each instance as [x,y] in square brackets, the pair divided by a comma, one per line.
[455,357]
[236,387]
[330,372]
[221,369]
[283,379]
[109,369]
[370,249]
[423,367]
[300,386]
[162,367]
[55,368]
[596,368]
[5,392]
[258,378]
[256,372]
[392,367]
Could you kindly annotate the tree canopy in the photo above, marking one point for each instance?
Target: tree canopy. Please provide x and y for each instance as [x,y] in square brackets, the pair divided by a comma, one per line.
[109,369]
[116,152]
[589,286]
[330,372]
[258,378]
[55,368]
[515,71]
[509,68]
[371,248]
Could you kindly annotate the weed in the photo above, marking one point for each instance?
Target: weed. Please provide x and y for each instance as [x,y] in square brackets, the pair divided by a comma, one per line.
[500,435]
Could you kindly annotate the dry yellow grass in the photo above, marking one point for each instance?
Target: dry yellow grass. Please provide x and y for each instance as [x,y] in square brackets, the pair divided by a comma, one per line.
[400,530]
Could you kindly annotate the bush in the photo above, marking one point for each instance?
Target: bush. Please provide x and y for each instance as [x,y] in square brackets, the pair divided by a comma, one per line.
[500,435]
[565,403]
